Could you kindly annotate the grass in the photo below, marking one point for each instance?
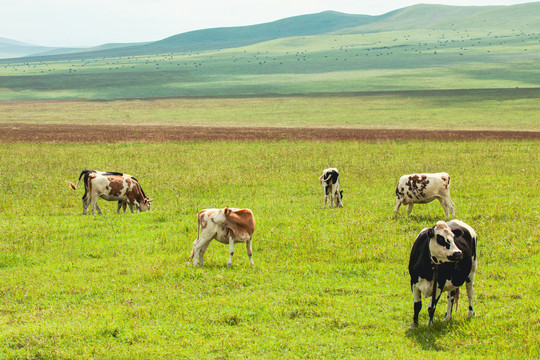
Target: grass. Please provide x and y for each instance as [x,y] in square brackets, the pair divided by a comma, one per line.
[327,283]
[495,109]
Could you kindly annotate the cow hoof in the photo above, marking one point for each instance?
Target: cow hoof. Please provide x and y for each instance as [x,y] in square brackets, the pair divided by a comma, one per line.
[471,314]
[447,318]
[229,264]
[414,325]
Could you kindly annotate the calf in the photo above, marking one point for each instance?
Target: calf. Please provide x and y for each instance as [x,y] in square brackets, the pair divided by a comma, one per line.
[330,183]
[443,257]
[111,186]
[422,189]
[228,226]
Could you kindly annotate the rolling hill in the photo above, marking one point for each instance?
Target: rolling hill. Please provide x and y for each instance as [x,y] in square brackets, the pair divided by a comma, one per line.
[418,47]
[525,17]
[12,49]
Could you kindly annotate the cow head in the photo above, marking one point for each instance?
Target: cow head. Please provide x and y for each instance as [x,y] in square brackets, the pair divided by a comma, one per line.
[144,205]
[220,216]
[442,247]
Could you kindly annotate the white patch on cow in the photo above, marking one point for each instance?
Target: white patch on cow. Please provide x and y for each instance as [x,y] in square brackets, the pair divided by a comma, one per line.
[425,287]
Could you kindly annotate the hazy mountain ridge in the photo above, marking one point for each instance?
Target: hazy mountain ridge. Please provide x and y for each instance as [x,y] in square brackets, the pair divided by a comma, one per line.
[524,17]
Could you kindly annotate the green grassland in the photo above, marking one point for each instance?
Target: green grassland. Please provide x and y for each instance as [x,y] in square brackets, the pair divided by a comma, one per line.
[328,283]
[419,59]
[494,109]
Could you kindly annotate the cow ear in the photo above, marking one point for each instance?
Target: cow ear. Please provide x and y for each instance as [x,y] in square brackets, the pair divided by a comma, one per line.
[457,233]
[431,233]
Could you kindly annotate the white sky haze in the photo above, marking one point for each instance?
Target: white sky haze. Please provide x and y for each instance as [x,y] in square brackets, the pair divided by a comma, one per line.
[96,22]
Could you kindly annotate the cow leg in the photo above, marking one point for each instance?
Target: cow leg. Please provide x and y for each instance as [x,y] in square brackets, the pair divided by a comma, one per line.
[231,250]
[93,205]
[85,206]
[197,249]
[450,205]
[444,206]
[249,251]
[119,207]
[201,254]
[432,306]
[417,297]
[452,298]
[98,209]
[470,293]
[398,204]
[409,209]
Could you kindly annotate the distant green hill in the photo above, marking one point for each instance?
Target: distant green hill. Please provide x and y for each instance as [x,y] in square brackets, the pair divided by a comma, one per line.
[419,47]
[525,17]
[11,48]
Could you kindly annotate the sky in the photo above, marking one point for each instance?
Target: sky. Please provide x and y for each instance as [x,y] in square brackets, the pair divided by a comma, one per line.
[84,23]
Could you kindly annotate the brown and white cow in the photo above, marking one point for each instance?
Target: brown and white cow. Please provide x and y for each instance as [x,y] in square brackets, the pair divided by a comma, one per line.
[422,189]
[330,183]
[111,186]
[228,226]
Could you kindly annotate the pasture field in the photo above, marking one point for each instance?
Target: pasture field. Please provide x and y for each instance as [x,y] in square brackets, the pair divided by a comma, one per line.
[425,59]
[492,109]
[328,283]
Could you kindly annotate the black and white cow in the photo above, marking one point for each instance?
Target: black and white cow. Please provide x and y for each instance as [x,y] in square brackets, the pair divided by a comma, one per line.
[330,183]
[444,254]
[422,189]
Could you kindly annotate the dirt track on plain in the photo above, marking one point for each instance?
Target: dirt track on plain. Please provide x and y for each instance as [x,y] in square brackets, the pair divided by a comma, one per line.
[59,133]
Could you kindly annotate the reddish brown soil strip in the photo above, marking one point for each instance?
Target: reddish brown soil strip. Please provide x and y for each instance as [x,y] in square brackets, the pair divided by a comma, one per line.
[32,133]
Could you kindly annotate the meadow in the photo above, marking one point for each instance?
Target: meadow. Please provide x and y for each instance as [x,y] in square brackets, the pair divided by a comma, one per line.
[328,283]
[491,109]
[421,59]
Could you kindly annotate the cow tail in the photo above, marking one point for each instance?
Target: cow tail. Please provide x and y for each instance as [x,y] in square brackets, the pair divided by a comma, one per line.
[73,186]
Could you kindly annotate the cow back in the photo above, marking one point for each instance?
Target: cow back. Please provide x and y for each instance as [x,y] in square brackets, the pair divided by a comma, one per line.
[241,221]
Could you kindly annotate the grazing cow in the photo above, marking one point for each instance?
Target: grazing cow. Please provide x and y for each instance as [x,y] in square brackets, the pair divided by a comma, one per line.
[445,255]
[228,226]
[330,183]
[422,189]
[111,186]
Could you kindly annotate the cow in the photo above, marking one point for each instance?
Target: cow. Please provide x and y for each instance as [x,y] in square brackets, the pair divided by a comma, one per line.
[111,186]
[422,189]
[330,183]
[445,255]
[228,226]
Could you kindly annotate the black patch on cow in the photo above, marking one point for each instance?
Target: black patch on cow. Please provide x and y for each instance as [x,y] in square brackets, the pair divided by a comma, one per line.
[112,173]
[442,241]
[417,185]
[331,177]
[85,173]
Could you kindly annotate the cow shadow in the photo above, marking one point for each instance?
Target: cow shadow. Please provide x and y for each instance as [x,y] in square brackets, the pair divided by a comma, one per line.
[427,337]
